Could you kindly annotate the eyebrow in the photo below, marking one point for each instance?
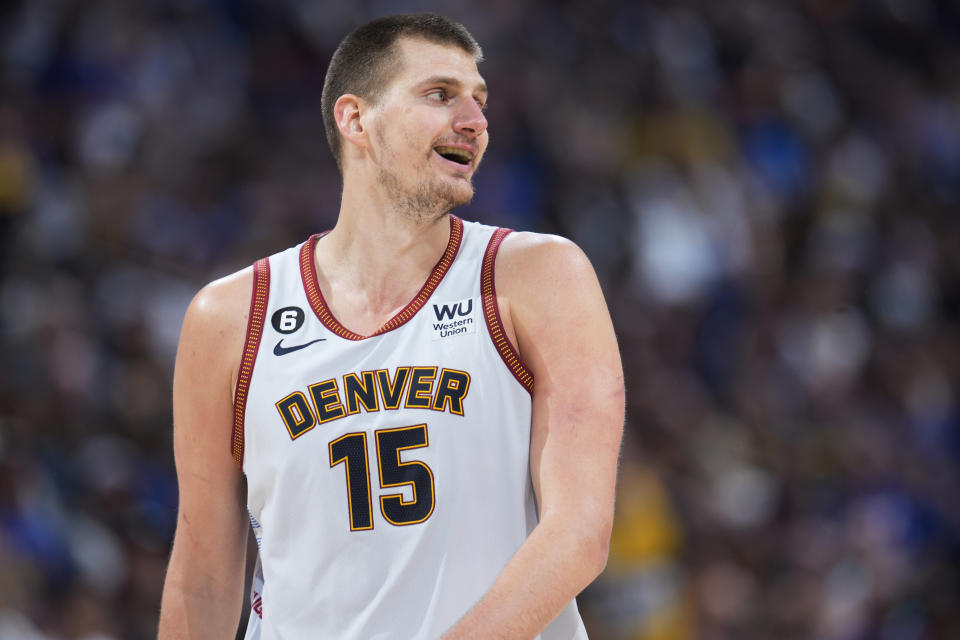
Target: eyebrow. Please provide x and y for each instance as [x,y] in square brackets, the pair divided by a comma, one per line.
[481,87]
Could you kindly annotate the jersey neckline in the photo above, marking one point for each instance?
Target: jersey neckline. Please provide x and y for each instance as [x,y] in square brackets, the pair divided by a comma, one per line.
[308,273]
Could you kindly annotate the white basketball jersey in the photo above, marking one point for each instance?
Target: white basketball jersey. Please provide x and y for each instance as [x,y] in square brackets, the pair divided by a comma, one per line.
[388,476]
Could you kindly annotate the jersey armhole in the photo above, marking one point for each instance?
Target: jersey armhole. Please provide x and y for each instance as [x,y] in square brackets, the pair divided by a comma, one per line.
[251,345]
[491,313]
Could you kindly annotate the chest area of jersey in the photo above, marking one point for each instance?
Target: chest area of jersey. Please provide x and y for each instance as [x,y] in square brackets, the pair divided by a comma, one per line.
[400,416]
[314,377]
[293,327]
[302,405]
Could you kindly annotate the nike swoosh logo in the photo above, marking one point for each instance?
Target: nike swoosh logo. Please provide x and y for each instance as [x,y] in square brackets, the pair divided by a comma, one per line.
[280,350]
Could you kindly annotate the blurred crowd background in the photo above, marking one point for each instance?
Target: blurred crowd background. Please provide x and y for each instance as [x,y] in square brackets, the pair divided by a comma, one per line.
[770,192]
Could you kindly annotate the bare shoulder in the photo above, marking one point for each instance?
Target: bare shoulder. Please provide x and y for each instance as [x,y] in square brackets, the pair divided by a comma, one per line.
[549,294]
[215,324]
[221,302]
[530,249]
[533,266]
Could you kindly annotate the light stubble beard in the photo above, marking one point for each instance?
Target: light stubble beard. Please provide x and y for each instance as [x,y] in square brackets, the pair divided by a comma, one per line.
[427,201]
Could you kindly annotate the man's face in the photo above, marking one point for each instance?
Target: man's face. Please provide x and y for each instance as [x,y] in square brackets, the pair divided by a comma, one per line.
[428,131]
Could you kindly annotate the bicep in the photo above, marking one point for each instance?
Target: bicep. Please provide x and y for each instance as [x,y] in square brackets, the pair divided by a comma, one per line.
[211,523]
[566,338]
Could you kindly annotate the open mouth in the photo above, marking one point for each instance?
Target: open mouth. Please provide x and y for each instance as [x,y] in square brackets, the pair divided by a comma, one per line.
[462,157]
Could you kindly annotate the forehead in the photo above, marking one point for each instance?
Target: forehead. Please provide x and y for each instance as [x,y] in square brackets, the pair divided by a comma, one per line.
[422,59]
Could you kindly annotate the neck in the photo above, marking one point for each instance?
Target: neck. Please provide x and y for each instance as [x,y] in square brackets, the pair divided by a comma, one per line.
[378,255]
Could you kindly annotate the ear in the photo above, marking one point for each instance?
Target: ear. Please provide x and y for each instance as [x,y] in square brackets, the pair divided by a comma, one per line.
[347,111]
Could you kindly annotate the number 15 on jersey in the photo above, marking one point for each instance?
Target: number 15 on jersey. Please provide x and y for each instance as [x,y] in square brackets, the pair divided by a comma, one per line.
[350,449]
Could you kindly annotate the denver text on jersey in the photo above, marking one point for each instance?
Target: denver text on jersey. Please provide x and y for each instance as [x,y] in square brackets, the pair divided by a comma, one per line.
[369,390]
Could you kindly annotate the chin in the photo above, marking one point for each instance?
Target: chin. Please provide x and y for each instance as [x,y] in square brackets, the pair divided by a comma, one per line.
[458,201]
[428,199]
[446,194]
[464,194]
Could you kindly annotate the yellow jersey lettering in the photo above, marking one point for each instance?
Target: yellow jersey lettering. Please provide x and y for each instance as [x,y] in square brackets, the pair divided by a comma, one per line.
[372,391]
[359,391]
[392,393]
[451,390]
[296,414]
[420,392]
[326,398]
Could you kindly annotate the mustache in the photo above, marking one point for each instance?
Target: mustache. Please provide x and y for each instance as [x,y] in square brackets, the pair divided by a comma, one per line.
[457,140]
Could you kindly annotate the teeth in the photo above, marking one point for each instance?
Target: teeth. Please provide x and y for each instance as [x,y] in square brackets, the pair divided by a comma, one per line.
[456,154]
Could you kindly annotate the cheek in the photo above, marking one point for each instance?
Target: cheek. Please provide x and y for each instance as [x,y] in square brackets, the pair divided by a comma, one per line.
[412,134]
[482,142]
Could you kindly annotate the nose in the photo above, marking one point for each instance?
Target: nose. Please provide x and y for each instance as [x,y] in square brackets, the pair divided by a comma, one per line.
[470,120]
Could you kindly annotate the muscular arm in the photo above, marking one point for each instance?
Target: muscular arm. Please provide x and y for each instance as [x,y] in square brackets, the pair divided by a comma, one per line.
[565,336]
[203,591]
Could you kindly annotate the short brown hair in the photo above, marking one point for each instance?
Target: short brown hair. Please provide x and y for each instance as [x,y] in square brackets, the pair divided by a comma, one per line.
[365,59]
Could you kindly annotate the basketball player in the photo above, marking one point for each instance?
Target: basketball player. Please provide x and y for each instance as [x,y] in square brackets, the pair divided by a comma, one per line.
[419,416]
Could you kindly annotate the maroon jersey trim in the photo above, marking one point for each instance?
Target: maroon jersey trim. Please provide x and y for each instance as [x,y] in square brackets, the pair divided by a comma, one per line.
[255,323]
[308,273]
[491,313]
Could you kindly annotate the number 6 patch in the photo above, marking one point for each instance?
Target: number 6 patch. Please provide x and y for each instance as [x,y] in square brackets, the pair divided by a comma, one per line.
[288,319]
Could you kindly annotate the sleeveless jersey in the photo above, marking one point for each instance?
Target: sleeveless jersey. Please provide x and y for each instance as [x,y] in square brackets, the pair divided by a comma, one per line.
[388,476]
